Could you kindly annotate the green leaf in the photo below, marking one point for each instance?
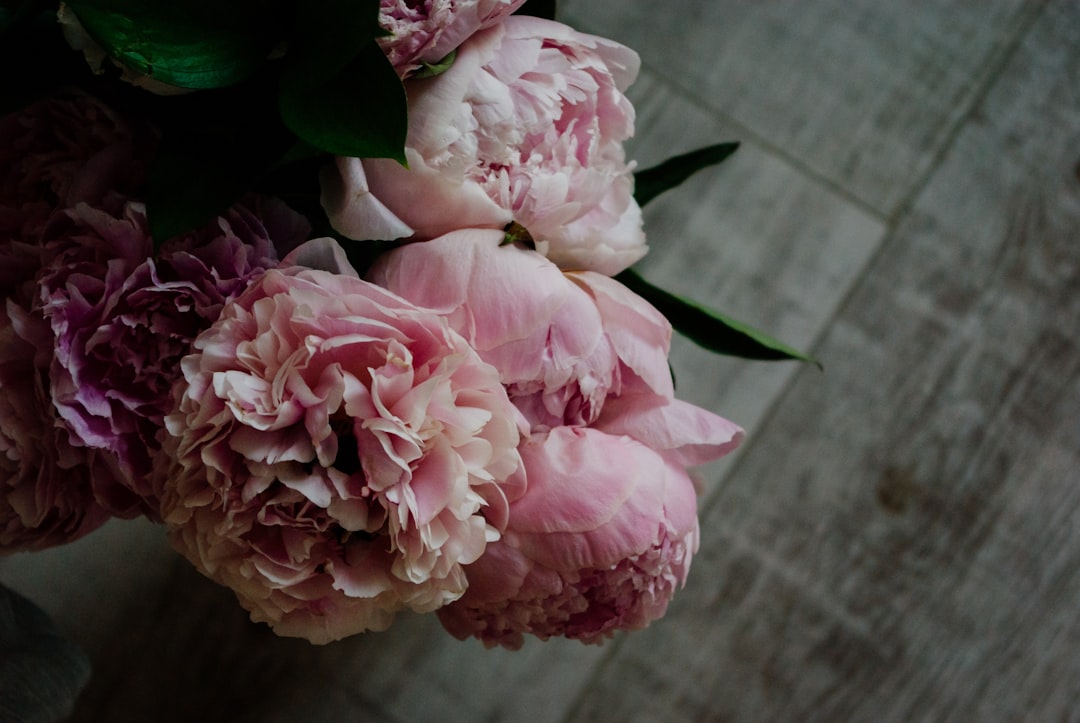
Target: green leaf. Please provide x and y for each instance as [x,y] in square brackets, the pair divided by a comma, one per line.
[329,35]
[651,182]
[215,146]
[196,44]
[339,93]
[710,329]
[538,8]
[187,188]
[361,111]
[300,152]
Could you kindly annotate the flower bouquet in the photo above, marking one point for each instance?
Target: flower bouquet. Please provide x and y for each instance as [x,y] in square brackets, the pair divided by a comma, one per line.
[341,294]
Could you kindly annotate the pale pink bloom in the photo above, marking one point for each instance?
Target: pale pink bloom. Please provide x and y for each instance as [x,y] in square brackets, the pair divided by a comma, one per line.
[572,348]
[426,31]
[600,541]
[526,126]
[338,454]
[46,483]
[540,330]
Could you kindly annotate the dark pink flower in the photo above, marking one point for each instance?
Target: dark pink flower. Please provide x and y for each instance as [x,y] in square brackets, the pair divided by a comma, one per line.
[338,454]
[122,321]
[46,492]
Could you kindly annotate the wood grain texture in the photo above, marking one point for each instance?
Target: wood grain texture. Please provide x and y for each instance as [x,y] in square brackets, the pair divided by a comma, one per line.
[862,93]
[720,240]
[900,542]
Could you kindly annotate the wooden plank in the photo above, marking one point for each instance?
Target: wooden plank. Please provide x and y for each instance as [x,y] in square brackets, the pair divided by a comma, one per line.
[165,643]
[901,540]
[863,93]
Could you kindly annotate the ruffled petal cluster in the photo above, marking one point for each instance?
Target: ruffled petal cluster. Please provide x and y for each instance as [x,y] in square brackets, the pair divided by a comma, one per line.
[46,482]
[55,153]
[337,454]
[427,31]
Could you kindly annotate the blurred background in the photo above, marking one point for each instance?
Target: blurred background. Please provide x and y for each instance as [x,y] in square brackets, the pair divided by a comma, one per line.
[899,538]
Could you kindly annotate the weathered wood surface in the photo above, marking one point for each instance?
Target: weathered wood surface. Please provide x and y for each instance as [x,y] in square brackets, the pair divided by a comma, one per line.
[863,94]
[901,540]
[898,539]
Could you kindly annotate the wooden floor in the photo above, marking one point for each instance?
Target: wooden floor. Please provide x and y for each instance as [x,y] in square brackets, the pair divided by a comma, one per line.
[899,539]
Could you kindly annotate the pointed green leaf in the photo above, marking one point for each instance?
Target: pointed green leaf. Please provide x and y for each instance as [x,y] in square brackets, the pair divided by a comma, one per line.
[298,152]
[328,37]
[339,93]
[651,182]
[215,146]
[196,44]
[361,111]
[186,189]
[710,329]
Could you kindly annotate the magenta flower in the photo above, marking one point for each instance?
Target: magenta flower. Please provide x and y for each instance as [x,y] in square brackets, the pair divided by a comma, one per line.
[527,126]
[599,542]
[426,31]
[46,483]
[339,454]
[122,321]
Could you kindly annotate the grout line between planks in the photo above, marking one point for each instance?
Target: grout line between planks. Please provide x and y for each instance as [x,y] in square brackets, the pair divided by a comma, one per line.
[745,134]
[997,60]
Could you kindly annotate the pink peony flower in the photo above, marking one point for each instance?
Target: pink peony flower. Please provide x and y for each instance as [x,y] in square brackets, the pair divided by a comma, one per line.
[46,495]
[526,126]
[599,542]
[122,321]
[572,348]
[429,30]
[339,454]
